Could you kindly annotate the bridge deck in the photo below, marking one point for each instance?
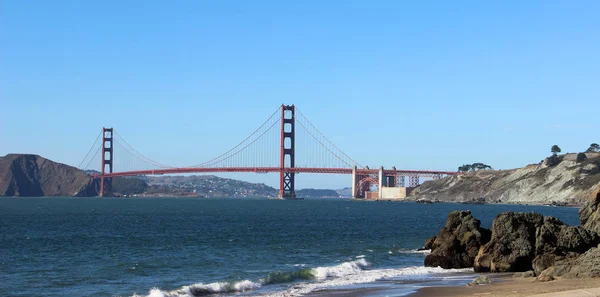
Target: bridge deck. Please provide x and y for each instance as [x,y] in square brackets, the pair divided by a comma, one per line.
[422,173]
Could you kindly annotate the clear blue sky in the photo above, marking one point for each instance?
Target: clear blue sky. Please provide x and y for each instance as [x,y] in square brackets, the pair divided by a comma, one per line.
[427,84]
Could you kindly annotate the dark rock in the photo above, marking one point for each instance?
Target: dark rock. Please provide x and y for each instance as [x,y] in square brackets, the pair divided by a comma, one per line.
[424,201]
[587,265]
[512,246]
[541,262]
[584,266]
[458,242]
[576,238]
[557,242]
[429,243]
[530,241]
[557,270]
[481,280]
[525,274]
[544,278]
[589,214]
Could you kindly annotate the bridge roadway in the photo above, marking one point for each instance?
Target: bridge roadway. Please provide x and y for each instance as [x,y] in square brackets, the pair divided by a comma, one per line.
[421,173]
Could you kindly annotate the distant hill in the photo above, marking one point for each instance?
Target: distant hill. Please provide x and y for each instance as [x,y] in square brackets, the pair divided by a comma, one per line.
[32,175]
[316,193]
[129,185]
[205,186]
[213,186]
[345,192]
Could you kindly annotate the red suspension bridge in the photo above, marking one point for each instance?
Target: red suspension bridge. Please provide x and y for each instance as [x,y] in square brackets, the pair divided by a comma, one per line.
[286,143]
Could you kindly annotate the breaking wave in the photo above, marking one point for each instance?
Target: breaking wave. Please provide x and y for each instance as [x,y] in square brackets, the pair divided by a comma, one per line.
[417,251]
[347,273]
[362,277]
[205,289]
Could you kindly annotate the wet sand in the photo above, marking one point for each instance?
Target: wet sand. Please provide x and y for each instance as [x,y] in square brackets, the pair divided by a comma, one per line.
[508,286]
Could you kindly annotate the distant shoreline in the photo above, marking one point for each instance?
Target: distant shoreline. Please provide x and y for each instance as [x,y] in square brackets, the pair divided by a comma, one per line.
[308,198]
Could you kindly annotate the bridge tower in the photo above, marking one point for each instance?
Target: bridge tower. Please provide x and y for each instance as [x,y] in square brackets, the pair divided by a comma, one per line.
[286,178]
[107,161]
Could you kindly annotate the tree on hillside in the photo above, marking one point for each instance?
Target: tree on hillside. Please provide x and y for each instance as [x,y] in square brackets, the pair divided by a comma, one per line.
[480,166]
[554,159]
[464,168]
[474,167]
[594,147]
[581,157]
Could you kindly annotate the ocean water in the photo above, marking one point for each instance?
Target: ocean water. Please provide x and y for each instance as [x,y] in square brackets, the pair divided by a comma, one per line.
[250,247]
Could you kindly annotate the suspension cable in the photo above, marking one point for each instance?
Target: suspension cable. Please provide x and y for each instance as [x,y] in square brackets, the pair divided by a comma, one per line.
[311,134]
[242,142]
[305,118]
[132,154]
[142,155]
[91,148]
[92,159]
[238,151]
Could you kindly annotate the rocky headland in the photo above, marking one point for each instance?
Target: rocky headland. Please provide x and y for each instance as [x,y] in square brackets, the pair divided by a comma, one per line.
[31,175]
[538,245]
[558,179]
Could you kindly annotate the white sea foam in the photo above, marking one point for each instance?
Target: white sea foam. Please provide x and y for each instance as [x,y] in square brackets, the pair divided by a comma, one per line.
[360,277]
[407,251]
[196,290]
[340,270]
[344,274]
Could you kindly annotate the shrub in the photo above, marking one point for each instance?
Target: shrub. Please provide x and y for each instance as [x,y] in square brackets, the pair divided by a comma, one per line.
[553,160]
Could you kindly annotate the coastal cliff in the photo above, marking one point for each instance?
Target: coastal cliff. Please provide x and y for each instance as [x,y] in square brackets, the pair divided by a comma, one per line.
[31,175]
[559,179]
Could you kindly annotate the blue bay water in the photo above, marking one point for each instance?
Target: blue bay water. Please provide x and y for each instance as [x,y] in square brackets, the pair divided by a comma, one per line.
[122,247]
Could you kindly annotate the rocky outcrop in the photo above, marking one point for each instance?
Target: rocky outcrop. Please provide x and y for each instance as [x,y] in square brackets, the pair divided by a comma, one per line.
[568,181]
[458,242]
[589,214]
[32,175]
[585,266]
[544,278]
[588,264]
[429,243]
[557,242]
[480,280]
[526,241]
[525,274]
[512,245]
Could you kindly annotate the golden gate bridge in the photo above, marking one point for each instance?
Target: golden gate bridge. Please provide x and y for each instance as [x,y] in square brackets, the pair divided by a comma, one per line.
[286,143]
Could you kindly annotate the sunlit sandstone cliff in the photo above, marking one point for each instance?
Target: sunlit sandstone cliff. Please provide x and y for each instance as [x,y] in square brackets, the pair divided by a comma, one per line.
[560,180]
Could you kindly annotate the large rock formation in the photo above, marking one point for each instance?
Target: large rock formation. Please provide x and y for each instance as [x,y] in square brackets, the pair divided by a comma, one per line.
[32,175]
[568,181]
[526,241]
[589,214]
[458,242]
[588,264]
[512,245]
[557,242]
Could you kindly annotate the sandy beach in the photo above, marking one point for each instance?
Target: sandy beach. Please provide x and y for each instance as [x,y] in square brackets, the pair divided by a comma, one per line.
[508,286]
